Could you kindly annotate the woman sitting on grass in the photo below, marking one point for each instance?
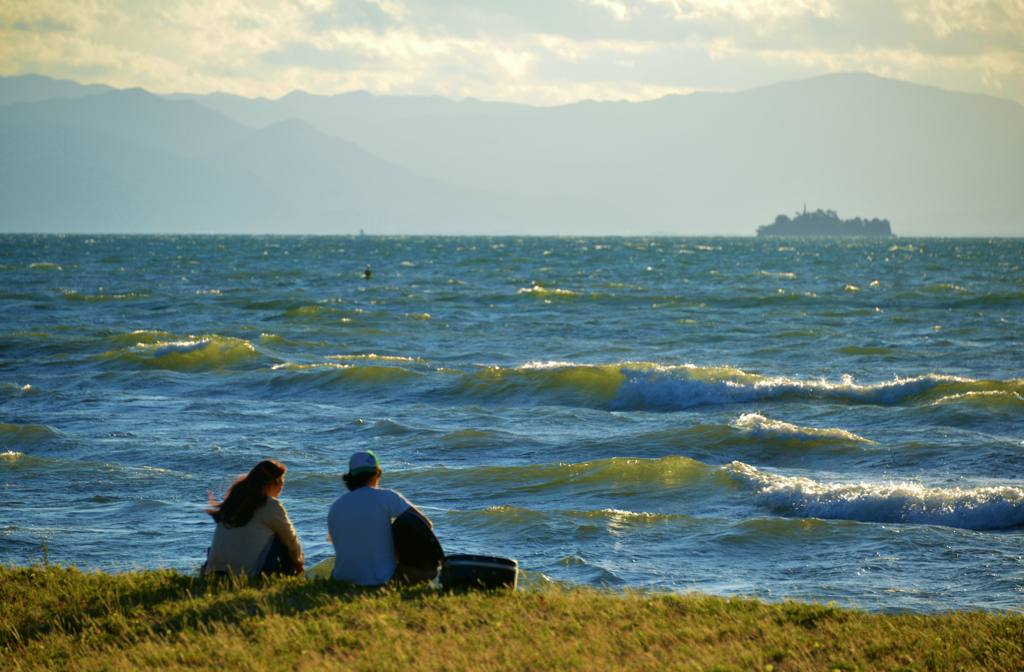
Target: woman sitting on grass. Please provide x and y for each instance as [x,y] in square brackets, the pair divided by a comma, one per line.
[254,535]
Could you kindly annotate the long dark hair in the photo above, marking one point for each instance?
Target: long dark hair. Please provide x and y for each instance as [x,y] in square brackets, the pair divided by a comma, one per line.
[246,494]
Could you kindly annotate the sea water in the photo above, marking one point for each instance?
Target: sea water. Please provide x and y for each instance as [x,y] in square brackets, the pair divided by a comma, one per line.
[816,419]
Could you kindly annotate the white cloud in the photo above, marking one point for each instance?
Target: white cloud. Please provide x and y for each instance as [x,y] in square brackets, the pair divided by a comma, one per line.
[618,10]
[651,47]
[898,63]
[745,10]
[946,17]
[392,8]
[577,50]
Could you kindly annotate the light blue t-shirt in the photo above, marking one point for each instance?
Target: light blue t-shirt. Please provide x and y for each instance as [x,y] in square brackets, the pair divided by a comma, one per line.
[359,524]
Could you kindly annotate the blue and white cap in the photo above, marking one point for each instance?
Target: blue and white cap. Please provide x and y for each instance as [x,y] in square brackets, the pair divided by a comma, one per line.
[363,462]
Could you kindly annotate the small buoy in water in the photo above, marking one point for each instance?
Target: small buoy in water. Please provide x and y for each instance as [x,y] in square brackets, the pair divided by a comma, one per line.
[366,273]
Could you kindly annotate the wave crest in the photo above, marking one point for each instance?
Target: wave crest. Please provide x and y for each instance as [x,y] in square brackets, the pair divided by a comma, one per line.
[558,382]
[538,290]
[759,426]
[680,387]
[981,508]
[598,475]
[15,434]
[206,352]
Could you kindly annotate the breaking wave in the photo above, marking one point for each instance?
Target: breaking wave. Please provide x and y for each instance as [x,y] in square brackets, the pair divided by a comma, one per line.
[759,426]
[206,352]
[677,388]
[982,508]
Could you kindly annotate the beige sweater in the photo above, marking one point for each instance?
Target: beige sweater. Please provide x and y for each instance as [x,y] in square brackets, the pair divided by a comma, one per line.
[238,549]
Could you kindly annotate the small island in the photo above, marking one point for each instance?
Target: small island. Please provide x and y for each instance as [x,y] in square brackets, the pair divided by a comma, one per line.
[824,223]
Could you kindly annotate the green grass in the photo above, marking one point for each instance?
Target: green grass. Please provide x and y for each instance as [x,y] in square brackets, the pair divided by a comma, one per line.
[59,618]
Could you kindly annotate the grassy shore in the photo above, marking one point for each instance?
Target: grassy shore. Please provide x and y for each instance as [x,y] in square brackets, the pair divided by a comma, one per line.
[60,618]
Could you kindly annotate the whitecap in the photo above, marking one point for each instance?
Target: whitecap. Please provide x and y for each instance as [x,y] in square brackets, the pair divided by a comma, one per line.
[375,357]
[537,289]
[759,426]
[292,366]
[681,387]
[180,347]
[541,366]
[980,508]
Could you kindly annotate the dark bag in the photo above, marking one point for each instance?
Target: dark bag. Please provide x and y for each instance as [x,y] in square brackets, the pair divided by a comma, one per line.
[415,543]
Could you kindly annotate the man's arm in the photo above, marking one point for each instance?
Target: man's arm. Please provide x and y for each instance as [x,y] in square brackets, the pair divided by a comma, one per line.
[420,514]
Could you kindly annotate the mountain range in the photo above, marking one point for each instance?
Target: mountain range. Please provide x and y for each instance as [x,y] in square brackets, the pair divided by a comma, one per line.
[95,159]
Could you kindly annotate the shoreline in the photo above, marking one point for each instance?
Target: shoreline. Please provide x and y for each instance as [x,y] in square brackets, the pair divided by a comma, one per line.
[52,617]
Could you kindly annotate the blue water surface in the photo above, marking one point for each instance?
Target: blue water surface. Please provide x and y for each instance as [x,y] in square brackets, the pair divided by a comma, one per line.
[819,419]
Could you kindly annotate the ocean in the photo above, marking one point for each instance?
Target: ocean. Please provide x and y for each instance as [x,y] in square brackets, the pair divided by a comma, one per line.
[814,419]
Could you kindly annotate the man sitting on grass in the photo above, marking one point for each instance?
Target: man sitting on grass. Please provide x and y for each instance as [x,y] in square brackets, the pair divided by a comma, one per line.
[359,527]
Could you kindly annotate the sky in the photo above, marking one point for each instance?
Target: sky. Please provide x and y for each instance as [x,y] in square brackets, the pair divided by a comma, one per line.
[537,52]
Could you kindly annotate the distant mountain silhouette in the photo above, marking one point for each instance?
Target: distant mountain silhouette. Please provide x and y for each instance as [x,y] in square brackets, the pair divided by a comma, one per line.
[936,162]
[130,161]
[181,127]
[939,162]
[70,179]
[33,88]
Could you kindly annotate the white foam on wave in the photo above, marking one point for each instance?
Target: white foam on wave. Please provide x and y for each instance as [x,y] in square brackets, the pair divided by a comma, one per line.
[622,514]
[979,395]
[790,276]
[680,387]
[378,358]
[537,289]
[292,366]
[211,344]
[542,366]
[179,347]
[759,426]
[981,508]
